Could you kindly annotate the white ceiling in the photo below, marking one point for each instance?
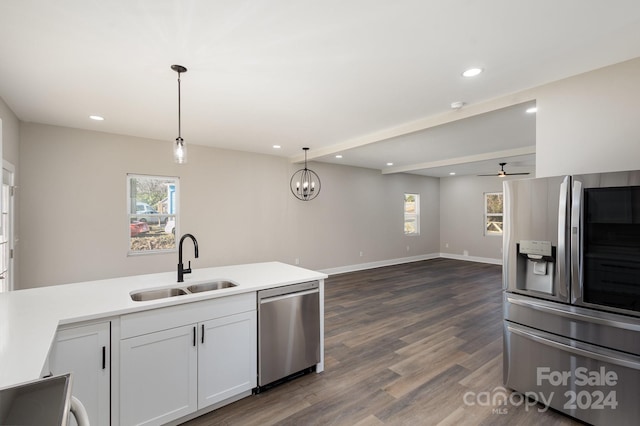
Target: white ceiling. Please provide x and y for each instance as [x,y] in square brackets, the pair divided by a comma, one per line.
[316,73]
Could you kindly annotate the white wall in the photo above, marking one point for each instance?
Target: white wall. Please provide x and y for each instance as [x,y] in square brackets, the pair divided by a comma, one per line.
[238,205]
[590,123]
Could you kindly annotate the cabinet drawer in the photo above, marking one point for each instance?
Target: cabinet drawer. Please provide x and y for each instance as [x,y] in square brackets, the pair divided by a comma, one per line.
[153,320]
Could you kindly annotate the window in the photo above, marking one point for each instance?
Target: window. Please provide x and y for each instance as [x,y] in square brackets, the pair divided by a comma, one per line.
[152,210]
[412,214]
[493,213]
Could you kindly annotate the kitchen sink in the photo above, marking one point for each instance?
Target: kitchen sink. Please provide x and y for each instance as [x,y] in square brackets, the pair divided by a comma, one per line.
[141,296]
[163,293]
[214,285]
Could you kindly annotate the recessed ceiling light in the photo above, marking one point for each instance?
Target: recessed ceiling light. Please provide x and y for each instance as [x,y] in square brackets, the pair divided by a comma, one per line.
[389,164]
[452,173]
[532,110]
[472,72]
[277,147]
[339,156]
[96,117]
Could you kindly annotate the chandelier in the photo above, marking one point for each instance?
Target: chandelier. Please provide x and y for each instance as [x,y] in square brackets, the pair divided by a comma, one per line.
[305,183]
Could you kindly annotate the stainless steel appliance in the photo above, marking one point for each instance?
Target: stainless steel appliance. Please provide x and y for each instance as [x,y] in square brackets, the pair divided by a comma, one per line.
[42,402]
[571,275]
[288,330]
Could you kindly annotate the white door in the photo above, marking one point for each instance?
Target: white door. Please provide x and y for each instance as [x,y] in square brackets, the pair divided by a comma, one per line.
[227,357]
[158,376]
[6,228]
[85,353]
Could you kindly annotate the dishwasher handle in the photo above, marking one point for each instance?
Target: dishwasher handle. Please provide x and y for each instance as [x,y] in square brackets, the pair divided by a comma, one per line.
[288,296]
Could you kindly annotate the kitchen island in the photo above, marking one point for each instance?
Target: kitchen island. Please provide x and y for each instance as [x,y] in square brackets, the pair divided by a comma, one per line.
[29,319]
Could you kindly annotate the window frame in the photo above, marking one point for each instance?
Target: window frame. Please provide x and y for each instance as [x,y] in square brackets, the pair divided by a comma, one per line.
[176,203]
[488,215]
[415,216]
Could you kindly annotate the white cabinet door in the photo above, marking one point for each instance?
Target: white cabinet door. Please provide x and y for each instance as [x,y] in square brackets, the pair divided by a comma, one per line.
[85,353]
[158,376]
[227,357]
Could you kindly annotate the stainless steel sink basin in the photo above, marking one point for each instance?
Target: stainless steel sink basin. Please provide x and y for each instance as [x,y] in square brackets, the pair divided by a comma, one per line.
[142,296]
[214,285]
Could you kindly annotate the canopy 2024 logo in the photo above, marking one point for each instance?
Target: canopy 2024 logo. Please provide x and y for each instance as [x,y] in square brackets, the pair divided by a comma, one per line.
[584,399]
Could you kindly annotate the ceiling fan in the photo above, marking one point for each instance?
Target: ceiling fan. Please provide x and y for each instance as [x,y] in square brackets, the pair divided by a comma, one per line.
[502,173]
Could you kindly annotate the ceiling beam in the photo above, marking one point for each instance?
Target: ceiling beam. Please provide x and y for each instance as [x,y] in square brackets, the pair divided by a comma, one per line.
[462,160]
[420,125]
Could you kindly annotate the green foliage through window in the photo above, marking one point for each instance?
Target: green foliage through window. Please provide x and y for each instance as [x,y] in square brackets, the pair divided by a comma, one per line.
[412,214]
[493,213]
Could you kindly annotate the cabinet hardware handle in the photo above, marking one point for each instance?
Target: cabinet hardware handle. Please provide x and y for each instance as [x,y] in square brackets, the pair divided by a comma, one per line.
[194,335]
[104,357]
[202,337]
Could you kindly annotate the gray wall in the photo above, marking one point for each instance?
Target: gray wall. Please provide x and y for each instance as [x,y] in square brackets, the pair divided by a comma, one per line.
[10,133]
[238,205]
[462,218]
[10,149]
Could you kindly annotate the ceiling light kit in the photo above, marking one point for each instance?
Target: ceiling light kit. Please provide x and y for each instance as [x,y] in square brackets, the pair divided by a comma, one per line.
[532,110]
[305,183]
[502,173]
[179,148]
[457,105]
[96,117]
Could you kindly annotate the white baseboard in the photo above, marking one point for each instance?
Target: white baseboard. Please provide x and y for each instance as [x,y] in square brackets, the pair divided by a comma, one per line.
[398,261]
[378,264]
[472,258]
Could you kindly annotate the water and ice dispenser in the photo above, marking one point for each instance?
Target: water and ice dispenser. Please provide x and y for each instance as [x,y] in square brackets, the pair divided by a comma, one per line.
[536,266]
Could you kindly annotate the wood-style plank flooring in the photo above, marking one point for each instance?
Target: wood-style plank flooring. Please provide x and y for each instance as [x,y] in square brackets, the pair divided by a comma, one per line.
[403,345]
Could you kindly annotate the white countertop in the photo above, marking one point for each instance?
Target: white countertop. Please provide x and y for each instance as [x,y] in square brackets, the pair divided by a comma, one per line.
[29,318]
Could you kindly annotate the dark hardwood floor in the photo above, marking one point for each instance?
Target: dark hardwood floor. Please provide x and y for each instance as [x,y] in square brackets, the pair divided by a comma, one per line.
[403,346]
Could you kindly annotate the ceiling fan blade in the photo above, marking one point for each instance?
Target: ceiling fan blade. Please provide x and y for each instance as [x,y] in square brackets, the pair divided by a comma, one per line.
[514,174]
[493,174]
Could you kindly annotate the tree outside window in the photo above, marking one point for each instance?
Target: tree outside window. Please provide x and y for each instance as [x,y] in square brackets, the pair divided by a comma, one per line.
[152,210]
[493,213]
[412,214]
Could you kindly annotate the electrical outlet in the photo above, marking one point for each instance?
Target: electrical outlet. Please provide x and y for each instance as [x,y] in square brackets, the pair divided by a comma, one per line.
[297,261]
[361,254]
[408,248]
[465,252]
[446,245]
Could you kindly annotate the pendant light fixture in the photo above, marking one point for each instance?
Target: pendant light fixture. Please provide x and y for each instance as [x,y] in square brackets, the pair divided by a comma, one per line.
[179,148]
[305,183]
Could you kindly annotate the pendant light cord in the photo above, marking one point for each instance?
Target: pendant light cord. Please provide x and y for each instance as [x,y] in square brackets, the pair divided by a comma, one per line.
[179,115]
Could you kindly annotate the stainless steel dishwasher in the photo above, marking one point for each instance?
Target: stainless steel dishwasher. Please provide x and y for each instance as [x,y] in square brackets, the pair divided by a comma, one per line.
[288,330]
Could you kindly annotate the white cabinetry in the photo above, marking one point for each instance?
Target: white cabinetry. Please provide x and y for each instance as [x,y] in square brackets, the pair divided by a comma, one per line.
[227,358]
[177,360]
[158,376]
[85,352]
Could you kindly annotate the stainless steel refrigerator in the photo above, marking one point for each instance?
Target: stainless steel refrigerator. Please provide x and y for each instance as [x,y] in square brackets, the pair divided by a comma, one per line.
[571,279]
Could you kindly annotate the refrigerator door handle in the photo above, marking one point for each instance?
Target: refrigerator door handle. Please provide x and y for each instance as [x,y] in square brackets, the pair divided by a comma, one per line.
[576,231]
[601,319]
[563,282]
[579,348]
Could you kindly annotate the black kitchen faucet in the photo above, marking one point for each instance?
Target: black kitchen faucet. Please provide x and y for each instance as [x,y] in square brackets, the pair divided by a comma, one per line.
[181,270]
